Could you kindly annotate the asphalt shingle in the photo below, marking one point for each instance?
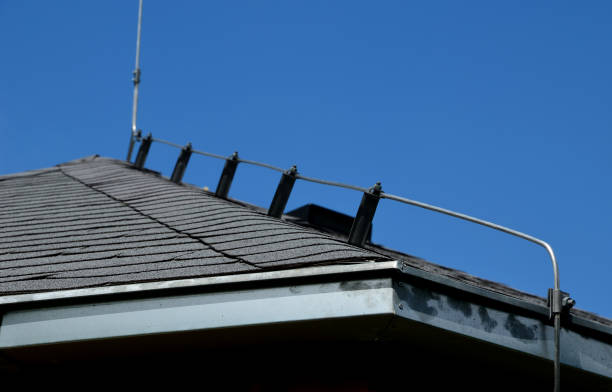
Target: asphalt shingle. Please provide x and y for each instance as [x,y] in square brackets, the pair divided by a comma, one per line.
[96,221]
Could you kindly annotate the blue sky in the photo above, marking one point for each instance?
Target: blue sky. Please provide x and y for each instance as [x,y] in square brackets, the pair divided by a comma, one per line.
[502,111]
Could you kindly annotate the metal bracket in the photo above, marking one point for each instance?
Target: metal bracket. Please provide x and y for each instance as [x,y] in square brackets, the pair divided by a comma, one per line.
[365,215]
[145,145]
[225,182]
[281,196]
[181,164]
[136,78]
[559,302]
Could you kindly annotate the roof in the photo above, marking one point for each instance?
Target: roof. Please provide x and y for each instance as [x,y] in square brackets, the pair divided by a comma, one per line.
[96,250]
[97,221]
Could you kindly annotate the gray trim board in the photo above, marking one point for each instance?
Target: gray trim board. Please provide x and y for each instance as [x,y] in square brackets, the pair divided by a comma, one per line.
[192,312]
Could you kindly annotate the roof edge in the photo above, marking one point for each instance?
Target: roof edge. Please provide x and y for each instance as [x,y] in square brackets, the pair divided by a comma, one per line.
[149,287]
[393,266]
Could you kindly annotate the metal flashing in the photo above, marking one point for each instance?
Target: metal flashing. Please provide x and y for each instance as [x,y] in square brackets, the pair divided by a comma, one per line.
[268,277]
[149,287]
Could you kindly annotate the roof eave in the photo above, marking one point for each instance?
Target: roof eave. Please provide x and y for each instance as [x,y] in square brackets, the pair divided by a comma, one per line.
[371,293]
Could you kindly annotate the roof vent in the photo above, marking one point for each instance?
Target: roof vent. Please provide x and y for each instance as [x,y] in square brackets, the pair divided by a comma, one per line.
[324,219]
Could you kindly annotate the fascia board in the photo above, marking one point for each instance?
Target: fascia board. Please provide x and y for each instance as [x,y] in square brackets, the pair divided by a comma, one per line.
[196,312]
[529,333]
[339,296]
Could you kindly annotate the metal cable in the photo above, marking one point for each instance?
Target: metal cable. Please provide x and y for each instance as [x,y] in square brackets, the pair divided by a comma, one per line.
[483,223]
[400,199]
[557,319]
[210,154]
[545,245]
[167,143]
[332,183]
[278,169]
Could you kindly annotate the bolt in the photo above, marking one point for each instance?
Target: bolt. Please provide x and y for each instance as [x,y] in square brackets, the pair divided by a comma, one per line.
[568,302]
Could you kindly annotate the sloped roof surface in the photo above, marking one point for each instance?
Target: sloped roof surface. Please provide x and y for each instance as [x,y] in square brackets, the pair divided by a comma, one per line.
[98,221]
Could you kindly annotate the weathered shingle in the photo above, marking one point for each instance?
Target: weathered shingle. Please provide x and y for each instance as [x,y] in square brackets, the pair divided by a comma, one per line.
[98,221]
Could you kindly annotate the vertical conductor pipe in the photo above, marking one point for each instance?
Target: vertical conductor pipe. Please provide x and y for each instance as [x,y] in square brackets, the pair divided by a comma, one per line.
[557,360]
[557,297]
[136,81]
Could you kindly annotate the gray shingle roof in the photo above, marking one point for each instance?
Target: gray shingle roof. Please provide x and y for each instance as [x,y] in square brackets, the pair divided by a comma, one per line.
[97,221]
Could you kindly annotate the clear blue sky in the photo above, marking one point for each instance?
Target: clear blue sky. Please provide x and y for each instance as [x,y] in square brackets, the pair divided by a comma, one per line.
[499,110]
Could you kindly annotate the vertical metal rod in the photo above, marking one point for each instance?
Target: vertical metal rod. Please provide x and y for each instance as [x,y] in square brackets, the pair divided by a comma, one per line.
[557,362]
[484,223]
[556,298]
[136,81]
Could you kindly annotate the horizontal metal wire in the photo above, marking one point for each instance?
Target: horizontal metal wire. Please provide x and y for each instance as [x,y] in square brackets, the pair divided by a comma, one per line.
[332,183]
[261,164]
[399,199]
[210,154]
[278,169]
[167,142]
[545,245]
[483,223]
